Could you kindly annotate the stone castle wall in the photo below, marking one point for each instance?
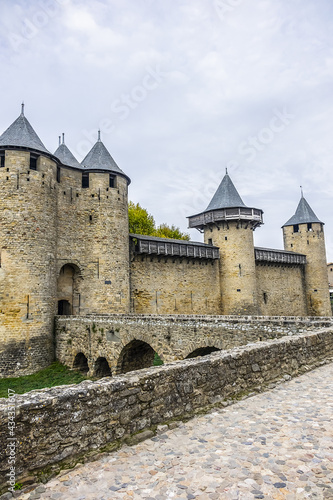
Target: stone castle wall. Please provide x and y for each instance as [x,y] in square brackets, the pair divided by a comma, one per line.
[60,424]
[28,263]
[174,285]
[281,290]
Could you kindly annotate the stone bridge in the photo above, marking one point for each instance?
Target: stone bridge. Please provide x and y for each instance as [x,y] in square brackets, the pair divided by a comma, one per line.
[104,345]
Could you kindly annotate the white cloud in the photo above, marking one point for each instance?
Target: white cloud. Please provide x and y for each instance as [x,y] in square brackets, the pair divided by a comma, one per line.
[223,77]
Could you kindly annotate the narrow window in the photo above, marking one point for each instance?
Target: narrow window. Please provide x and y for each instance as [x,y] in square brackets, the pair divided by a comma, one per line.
[296,228]
[309,226]
[58,174]
[112,181]
[210,241]
[33,162]
[265,297]
[85,179]
[2,160]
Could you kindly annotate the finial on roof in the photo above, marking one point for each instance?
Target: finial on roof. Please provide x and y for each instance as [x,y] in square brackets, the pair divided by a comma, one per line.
[63,138]
[22,108]
[59,140]
[99,135]
[302,192]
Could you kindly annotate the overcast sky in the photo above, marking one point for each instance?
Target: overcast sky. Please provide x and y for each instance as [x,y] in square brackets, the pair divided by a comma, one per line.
[181,90]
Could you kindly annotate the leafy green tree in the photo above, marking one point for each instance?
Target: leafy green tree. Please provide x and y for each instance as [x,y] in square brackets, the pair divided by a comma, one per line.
[173,232]
[141,222]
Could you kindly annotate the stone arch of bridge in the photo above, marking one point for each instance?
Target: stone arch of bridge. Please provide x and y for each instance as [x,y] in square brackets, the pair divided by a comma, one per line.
[102,367]
[135,355]
[201,351]
[80,363]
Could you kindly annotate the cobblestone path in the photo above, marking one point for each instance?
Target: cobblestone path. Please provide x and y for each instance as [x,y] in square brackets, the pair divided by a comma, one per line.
[275,445]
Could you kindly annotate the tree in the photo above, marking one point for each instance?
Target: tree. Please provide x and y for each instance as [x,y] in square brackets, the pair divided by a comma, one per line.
[141,222]
[164,231]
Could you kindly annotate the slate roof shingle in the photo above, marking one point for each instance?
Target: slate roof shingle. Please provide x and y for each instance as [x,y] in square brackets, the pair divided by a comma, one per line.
[21,134]
[303,215]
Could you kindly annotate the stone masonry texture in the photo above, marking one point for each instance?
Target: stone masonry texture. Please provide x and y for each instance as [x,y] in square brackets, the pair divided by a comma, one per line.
[53,425]
[172,337]
[273,445]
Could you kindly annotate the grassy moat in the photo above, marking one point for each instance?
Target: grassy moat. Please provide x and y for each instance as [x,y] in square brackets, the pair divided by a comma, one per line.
[55,374]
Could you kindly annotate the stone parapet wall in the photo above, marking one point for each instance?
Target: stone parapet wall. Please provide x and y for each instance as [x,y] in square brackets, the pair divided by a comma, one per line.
[59,424]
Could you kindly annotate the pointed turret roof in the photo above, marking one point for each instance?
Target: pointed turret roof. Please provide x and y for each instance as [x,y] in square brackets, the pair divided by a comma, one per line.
[99,158]
[226,196]
[65,155]
[21,134]
[226,205]
[303,215]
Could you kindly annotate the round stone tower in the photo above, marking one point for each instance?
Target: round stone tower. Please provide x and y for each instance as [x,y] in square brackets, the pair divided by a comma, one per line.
[304,233]
[229,224]
[27,250]
[93,241]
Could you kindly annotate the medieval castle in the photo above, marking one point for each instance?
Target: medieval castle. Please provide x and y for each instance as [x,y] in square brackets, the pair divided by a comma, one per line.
[65,249]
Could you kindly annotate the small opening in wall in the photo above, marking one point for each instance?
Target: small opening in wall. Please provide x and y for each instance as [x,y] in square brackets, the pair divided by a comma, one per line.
[77,195]
[112,181]
[85,179]
[58,174]
[7,169]
[226,237]
[315,290]
[265,297]
[28,179]
[296,228]
[309,226]
[210,241]
[2,160]
[238,289]
[33,162]
[90,218]
[291,245]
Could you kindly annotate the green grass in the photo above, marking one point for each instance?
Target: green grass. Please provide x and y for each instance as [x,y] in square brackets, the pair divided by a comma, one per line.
[55,374]
[157,360]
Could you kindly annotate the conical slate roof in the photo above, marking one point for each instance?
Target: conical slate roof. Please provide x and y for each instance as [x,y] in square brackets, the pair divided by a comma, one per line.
[303,215]
[226,196]
[66,157]
[99,158]
[21,134]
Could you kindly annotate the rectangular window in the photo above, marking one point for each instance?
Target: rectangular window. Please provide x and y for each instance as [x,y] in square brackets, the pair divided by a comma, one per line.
[33,162]
[210,241]
[309,226]
[85,179]
[2,160]
[112,181]
[296,228]
[58,174]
